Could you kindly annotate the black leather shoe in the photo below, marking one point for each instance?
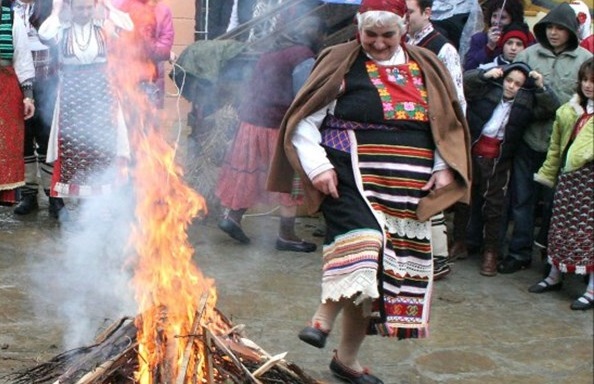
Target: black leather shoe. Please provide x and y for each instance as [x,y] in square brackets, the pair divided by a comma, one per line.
[579,305]
[313,336]
[27,205]
[348,375]
[542,287]
[319,232]
[56,207]
[511,265]
[234,230]
[295,246]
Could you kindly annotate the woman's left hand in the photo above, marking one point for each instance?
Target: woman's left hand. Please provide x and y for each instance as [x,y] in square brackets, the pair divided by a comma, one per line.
[29,107]
[439,179]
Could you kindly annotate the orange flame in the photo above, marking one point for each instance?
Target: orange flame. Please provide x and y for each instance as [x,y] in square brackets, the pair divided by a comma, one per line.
[167,283]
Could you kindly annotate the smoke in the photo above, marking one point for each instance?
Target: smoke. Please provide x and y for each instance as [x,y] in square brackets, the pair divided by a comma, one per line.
[88,281]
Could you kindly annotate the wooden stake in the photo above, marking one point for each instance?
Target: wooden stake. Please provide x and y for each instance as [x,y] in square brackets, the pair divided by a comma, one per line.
[221,345]
[274,360]
[188,352]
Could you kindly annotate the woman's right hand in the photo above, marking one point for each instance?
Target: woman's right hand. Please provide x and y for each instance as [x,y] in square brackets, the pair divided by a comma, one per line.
[493,35]
[327,183]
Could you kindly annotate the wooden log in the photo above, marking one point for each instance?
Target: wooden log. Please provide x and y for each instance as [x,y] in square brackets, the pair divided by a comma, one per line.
[96,373]
[198,315]
[116,343]
[274,360]
[211,337]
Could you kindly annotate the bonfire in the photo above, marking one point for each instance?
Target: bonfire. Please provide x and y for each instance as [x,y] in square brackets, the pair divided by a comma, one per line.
[179,337]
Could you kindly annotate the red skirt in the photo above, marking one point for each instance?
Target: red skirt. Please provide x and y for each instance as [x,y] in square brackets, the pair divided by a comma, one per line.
[12,136]
[242,179]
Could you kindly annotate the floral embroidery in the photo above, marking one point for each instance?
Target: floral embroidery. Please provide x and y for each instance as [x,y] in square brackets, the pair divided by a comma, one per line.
[397,77]
[401,90]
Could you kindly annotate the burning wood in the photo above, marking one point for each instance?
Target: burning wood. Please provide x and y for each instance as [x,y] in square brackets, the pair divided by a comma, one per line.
[113,358]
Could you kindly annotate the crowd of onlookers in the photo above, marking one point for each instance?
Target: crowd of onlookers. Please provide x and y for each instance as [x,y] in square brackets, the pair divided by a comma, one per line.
[511,82]
[527,96]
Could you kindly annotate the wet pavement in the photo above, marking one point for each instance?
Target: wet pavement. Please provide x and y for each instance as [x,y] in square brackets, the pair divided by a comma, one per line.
[484,329]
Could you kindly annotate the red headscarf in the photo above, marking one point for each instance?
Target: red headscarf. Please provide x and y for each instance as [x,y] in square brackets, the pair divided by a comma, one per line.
[395,6]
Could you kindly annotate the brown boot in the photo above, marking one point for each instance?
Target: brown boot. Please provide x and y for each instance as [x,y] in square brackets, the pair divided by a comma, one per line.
[489,266]
[458,251]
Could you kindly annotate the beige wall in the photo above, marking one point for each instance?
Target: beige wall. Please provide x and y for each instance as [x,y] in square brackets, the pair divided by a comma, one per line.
[183,23]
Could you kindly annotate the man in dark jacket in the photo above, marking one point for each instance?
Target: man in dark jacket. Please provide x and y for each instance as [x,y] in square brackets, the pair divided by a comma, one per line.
[500,103]
[422,34]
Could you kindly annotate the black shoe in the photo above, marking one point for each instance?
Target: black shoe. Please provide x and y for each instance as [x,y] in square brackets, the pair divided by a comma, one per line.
[313,336]
[27,205]
[579,305]
[511,265]
[319,232]
[234,230]
[348,375]
[542,287]
[56,207]
[441,267]
[295,246]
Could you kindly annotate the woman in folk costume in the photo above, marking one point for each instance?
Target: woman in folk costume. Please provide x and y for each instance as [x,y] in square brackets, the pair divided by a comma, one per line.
[88,134]
[37,128]
[569,167]
[379,139]
[16,100]
[269,92]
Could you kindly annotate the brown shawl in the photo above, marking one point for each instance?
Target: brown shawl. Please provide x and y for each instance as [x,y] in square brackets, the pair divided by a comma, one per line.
[448,126]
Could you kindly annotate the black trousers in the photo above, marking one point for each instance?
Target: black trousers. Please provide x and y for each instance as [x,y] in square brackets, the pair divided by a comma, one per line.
[37,131]
[482,222]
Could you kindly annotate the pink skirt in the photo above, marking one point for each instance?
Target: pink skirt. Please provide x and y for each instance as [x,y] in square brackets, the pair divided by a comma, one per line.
[242,179]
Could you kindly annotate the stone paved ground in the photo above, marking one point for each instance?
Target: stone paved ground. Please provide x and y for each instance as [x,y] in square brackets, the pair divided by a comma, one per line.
[484,330]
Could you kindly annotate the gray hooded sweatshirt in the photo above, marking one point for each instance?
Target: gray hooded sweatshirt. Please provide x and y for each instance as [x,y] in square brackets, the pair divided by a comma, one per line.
[559,70]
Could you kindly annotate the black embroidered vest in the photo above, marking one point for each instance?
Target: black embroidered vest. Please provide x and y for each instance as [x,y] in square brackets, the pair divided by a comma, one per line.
[434,41]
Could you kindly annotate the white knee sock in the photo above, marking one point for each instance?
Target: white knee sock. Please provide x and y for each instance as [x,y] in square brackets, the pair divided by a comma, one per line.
[589,295]
[354,330]
[326,314]
[554,276]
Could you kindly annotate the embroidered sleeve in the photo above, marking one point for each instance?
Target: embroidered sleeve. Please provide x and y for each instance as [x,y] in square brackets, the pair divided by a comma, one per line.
[450,58]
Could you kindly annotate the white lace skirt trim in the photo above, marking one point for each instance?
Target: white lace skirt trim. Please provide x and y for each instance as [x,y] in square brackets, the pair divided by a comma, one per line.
[360,285]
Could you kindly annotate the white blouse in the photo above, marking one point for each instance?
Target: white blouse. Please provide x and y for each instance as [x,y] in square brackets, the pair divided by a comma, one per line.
[22,59]
[308,138]
[85,44]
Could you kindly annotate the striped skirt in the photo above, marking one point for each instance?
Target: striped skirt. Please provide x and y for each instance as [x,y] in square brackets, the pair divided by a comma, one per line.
[375,248]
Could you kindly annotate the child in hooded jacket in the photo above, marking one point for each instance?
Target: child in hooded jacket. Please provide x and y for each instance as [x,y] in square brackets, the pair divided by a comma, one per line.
[500,102]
